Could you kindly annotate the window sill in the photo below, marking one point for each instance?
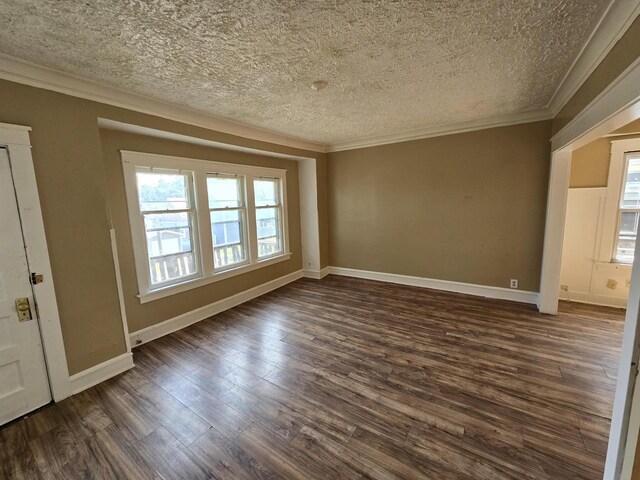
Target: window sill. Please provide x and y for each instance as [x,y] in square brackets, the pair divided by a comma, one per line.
[613,263]
[199,282]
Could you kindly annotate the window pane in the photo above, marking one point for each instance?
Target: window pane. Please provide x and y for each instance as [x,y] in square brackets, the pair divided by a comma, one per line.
[228,237]
[627,236]
[168,233]
[628,223]
[163,191]
[269,235]
[625,249]
[631,195]
[266,192]
[174,267]
[170,246]
[224,191]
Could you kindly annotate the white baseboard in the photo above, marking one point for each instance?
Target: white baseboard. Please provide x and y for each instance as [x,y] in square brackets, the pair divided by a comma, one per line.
[316,274]
[601,300]
[101,372]
[449,286]
[181,321]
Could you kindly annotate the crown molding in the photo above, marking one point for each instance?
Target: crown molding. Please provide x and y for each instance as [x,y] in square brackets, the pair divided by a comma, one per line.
[612,26]
[441,130]
[20,71]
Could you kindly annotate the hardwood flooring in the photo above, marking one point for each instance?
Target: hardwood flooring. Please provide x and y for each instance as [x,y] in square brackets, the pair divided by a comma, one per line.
[344,378]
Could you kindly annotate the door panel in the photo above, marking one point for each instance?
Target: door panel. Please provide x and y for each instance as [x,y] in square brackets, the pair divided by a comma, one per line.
[24,385]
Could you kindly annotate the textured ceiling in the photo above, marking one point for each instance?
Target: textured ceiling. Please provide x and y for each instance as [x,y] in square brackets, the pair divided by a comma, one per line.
[392,66]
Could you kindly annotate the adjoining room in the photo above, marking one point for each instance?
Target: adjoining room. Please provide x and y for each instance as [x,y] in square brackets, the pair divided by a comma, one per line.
[310,240]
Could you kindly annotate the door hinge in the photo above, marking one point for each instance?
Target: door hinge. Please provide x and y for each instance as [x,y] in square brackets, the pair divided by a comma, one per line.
[36,278]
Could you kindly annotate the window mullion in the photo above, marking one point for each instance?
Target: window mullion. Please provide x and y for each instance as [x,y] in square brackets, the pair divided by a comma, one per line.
[252,226]
[204,221]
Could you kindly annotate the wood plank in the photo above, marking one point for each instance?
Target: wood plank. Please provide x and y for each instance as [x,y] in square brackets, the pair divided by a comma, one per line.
[344,378]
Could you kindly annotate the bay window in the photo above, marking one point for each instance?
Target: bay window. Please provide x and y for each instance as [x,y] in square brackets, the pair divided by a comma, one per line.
[195,222]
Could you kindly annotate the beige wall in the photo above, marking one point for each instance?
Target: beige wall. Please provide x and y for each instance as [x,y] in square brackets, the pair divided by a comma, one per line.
[468,207]
[624,53]
[143,315]
[629,128]
[77,197]
[590,164]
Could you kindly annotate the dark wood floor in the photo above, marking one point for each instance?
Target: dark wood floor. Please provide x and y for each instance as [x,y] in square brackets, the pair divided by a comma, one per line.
[344,378]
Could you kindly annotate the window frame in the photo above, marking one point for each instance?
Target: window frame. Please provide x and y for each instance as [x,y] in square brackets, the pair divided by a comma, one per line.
[621,209]
[608,237]
[243,222]
[202,236]
[191,212]
[278,207]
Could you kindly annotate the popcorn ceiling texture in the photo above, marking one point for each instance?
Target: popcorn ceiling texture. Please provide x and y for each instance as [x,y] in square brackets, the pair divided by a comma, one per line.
[392,66]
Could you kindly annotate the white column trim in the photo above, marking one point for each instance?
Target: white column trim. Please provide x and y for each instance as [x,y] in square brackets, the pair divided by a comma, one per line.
[554,231]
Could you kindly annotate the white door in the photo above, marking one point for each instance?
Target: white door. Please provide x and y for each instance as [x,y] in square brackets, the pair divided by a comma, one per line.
[24,385]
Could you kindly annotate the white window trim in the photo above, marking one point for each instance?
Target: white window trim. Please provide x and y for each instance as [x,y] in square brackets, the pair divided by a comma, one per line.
[617,166]
[202,235]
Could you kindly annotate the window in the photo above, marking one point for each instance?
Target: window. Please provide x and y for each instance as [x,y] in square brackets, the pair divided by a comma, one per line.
[194,222]
[228,219]
[167,211]
[628,210]
[268,216]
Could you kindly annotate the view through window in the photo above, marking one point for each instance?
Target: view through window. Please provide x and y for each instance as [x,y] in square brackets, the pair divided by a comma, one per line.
[629,212]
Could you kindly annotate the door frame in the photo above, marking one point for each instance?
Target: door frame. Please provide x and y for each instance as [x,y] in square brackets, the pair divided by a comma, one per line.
[15,138]
[616,106]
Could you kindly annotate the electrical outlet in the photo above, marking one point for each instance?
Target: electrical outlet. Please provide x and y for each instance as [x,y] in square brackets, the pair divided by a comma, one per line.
[513,283]
[612,284]
[564,288]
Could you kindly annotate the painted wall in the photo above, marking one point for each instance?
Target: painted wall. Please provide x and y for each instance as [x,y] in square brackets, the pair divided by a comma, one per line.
[468,207]
[622,55]
[79,190]
[590,164]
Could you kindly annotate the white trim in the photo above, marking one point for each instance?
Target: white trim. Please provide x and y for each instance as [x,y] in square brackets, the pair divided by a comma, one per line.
[601,300]
[612,26]
[446,285]
[16,139]
[116,266]
[14,134]
[620,430]
[181,321]
[554,231]
[27,73]
[605,113]
[317,274]
[632,436]
[441,130]
[309,223]
[101,372]
[617,165]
